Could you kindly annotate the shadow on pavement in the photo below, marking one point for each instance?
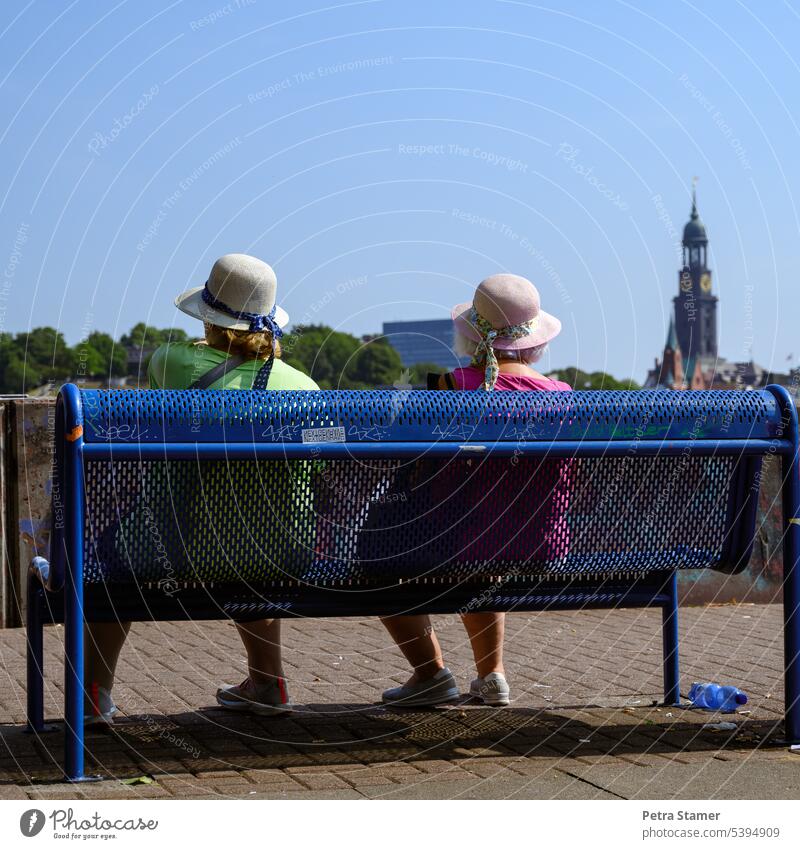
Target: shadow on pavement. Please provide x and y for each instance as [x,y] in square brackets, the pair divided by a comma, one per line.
[213,740]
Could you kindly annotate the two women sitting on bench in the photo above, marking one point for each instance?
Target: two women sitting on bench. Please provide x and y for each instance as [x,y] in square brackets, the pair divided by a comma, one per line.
[504,332]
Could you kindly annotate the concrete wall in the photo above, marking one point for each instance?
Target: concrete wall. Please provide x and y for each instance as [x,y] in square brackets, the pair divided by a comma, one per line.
[28,429]
[26,438]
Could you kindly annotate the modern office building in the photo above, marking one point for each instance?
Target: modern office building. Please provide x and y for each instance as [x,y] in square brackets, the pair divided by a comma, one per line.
[424,342]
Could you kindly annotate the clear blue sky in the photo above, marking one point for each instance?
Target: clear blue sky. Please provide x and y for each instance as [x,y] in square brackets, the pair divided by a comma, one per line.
[386,156]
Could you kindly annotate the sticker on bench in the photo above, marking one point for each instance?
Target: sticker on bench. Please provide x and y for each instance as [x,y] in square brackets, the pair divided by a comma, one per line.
[323,434]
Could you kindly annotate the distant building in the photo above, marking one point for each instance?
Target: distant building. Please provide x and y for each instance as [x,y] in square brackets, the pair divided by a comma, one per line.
[690,359]
[670,371]
[424,342]
[696,304]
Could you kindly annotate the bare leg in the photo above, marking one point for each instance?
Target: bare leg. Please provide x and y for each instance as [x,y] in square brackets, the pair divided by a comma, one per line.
[262,641]
[103,641]
[417,640]
[485,632]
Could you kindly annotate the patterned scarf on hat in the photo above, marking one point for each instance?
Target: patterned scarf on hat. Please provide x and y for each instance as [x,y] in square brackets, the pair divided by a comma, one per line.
[484,352]
[258,322]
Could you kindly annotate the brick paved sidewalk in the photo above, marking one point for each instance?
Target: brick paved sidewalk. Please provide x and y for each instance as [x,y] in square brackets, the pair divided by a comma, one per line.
[582,723]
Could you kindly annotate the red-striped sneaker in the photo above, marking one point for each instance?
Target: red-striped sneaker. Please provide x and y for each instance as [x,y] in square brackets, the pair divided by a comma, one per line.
[269,699]
[98,706]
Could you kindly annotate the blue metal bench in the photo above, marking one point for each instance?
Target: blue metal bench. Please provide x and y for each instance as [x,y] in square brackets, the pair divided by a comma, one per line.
[212,504]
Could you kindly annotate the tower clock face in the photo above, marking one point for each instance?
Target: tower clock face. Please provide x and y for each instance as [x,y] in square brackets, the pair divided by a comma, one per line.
[705,282]
[686,282]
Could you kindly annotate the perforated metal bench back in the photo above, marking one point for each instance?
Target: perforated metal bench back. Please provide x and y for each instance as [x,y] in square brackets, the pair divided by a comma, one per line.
[214,416]
[377,521]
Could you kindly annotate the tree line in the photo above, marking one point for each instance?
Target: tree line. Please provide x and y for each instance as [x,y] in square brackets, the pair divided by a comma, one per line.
[335,360]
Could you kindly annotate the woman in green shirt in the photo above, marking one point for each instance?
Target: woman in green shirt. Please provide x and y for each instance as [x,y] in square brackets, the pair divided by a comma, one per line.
[241,350]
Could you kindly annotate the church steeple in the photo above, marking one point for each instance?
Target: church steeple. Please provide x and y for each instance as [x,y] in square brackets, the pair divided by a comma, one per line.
[672,337]
[695,239]
[696,306]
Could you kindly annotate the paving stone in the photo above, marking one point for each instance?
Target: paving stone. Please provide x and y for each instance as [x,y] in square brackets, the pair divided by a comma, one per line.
[13,791]
[321,781]
[583,683]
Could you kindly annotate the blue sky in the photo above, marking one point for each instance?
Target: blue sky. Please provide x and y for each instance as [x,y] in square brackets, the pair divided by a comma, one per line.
[386,156]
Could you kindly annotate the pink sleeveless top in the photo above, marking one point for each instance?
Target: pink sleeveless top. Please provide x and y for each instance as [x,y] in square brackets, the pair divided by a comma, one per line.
[533,496]
[472,378]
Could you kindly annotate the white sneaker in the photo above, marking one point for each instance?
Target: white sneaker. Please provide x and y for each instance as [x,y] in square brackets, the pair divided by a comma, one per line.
[492,690]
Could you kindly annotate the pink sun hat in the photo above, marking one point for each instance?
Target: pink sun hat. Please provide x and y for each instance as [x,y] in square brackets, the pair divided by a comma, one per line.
[507,300]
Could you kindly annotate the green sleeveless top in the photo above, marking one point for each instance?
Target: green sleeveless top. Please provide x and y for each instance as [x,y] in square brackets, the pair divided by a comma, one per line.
[216,520]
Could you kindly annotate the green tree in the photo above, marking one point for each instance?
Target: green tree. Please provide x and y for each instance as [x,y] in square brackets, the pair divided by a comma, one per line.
[322,353]
[578,379]
[375,364]
[145,337]
[142,340]
[35,358]
[100,356]
[20,377]
[15,375]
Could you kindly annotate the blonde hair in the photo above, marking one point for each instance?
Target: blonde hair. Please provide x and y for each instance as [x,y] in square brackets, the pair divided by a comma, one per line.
[465,347]
[251,346]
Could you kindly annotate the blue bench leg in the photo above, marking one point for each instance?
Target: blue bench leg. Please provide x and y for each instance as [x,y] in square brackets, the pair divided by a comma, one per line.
[791,594]
[790,496]
[669,630]
[35,656]
[73,684]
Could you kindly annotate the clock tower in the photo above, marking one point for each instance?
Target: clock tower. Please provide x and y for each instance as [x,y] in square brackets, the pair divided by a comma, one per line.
[696,306]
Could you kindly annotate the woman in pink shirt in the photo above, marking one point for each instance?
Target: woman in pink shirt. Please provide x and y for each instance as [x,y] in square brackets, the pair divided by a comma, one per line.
[504,331]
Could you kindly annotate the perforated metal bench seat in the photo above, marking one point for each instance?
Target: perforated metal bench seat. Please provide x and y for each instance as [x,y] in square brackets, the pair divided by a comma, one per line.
[207,504]
[194,600]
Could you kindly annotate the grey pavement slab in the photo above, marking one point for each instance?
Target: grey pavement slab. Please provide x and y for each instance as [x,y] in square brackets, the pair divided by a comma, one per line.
[584,721]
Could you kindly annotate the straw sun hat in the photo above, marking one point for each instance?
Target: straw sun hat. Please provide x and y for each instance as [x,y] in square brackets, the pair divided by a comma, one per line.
[506,302]
[505,314]
[239,294]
